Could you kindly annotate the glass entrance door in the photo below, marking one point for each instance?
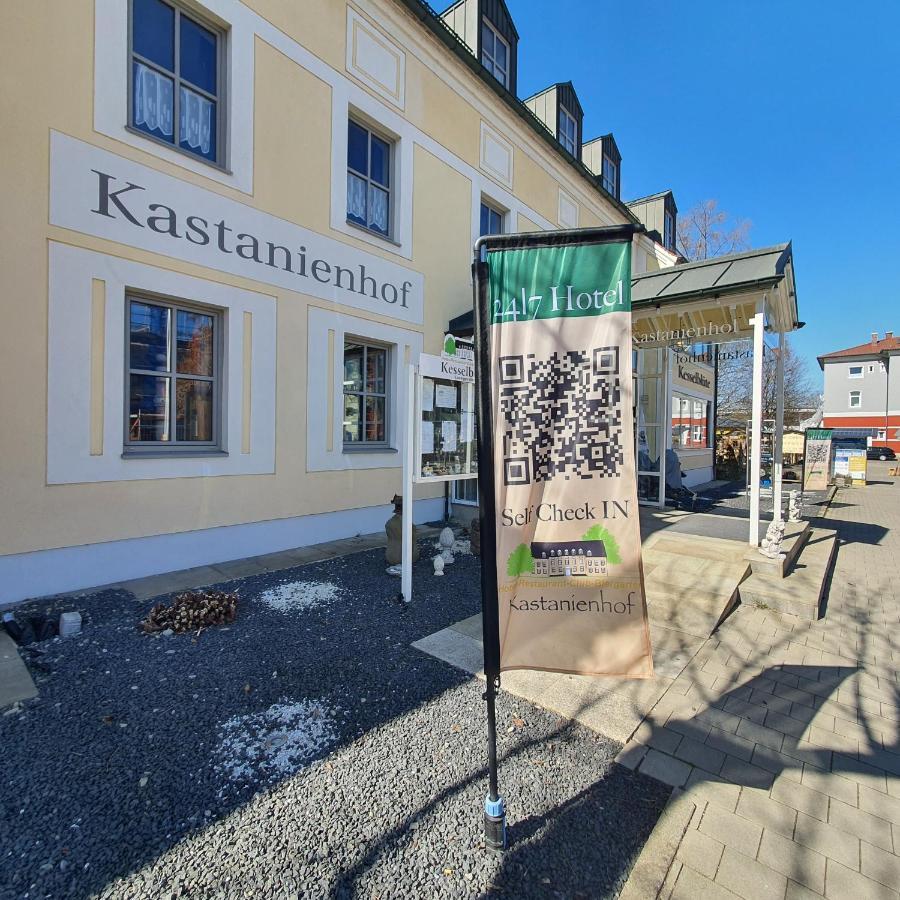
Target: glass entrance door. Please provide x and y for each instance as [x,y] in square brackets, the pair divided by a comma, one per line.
[650,424]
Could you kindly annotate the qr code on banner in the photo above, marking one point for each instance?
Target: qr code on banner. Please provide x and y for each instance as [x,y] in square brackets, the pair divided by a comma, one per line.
[561,416]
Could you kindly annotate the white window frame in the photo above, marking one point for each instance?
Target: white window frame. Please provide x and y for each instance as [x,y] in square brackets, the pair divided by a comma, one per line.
[855,371]
[858,404]
[173,445]
[458,485]
[566,116]
[488,60]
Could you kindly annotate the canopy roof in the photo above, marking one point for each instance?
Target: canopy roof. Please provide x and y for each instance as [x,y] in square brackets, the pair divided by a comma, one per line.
[713,298]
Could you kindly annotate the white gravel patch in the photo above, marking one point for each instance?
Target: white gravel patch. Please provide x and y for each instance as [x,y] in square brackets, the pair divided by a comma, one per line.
[276,742]
[299,595]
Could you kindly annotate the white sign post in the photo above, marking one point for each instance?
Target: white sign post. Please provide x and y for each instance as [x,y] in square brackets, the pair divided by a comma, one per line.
[440,431]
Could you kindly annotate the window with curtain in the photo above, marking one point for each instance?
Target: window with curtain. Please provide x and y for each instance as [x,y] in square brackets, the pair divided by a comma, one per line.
[176,80]
[173,375]
[568,130]
[365,394]
[368,179]
[494,53]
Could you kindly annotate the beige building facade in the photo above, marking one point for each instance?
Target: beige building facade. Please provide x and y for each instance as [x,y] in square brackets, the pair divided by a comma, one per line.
[227,228]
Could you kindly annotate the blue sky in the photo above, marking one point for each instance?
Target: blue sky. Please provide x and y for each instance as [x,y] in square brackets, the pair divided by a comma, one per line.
[786,113]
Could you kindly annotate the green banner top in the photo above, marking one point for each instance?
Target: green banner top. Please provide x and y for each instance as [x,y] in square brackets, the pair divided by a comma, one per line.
[566,281]
[818,434]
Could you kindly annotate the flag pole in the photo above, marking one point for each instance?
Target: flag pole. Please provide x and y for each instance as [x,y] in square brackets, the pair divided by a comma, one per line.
[494,808]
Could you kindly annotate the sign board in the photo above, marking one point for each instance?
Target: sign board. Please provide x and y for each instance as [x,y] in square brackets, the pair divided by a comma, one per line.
[446,449]
[558,460]
[692,376]
[817,459]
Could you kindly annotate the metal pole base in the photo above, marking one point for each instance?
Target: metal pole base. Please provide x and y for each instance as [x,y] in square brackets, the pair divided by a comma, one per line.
[494,824]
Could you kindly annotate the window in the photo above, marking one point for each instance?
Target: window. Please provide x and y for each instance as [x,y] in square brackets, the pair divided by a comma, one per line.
[690,423]
[176,78]
[465,491]
[368,179]
[365,394]
[610,176]
[855,372]
[855,399]
[494,53]
[491,220]
[669,229]
[568,130]
[173,375]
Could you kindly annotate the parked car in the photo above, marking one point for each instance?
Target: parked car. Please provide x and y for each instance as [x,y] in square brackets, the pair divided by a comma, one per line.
[880,453]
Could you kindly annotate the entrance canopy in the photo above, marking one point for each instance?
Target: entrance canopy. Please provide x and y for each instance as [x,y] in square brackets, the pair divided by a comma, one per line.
[715,300]
[736,297]
[711,300]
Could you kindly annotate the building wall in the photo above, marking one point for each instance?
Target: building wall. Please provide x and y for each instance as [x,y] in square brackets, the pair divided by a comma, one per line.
[872,387]
[81,514]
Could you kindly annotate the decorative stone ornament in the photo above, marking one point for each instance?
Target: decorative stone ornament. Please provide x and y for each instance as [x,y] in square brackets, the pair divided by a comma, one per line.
[438,565]
[795,507]
[445,542]
[771,543]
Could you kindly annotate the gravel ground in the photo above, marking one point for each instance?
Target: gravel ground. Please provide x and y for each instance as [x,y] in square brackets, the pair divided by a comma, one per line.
[305,751]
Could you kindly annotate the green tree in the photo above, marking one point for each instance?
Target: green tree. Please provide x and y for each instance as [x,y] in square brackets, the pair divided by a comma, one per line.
[599,533]
[520,562]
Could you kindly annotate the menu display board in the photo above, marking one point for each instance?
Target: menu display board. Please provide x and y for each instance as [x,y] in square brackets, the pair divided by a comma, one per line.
[445,410]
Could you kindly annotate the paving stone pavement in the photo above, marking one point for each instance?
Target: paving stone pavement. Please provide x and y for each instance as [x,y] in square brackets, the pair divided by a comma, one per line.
[785,735]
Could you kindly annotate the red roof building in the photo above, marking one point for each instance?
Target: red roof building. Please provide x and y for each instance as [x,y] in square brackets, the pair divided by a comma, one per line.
[862,391]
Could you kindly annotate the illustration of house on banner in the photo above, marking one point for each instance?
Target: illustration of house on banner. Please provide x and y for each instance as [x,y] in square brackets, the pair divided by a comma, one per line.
[555,558]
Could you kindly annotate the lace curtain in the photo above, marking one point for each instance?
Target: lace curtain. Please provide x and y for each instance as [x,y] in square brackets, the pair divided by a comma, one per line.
[195,120]
[378,209]
[373,213]
[154,108]
[356,197]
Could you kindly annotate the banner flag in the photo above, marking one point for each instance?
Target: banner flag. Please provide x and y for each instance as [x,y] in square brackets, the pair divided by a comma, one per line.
[557,386]
[817,459]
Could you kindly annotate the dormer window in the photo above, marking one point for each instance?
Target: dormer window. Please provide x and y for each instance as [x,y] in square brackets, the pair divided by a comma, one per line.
[610,175]
[669,230]
[568,130]
[494,53]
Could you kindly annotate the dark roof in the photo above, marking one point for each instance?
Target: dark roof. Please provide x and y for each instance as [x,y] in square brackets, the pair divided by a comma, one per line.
[872,348]
[502,3]
[649,197]
[732,273]
[445,34]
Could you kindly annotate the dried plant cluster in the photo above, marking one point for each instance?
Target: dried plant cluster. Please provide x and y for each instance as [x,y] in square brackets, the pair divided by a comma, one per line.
[192,611]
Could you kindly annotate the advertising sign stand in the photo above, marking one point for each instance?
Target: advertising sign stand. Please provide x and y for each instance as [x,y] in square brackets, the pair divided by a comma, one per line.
[440,441]
[561,576]
[494,810]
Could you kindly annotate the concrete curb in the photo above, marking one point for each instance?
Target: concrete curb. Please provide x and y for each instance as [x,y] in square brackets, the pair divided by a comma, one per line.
[649,873]
[16,682]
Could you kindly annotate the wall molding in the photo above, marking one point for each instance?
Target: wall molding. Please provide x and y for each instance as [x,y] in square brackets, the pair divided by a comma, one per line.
[44,572]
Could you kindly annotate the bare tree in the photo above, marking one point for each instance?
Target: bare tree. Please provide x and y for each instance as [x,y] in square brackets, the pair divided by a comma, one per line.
[705,231]
[735,385]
